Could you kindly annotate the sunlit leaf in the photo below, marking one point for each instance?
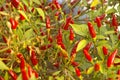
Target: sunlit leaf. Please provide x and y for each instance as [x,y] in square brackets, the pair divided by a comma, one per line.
[3,66]
[109,32]
[90,70]
[23,14]
[111,10]
[41,12]
[56,73]
[100,53]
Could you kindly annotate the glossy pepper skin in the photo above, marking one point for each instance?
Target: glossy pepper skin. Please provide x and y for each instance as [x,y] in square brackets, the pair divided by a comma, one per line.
[33,58]
[105,50]
[111,58]
[91,30]
[15,3]
[87,47]
[13,74]
[78,72]
[59,37]
[24,75]
[14,23]
[98,21]
[87,55]
[114,21]
[71,36]
[22,17]
[48,22]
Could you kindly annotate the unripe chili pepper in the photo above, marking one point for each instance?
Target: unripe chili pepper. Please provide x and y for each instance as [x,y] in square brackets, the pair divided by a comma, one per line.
[98,21]
[1,78]
[96,67]
[15,3]
[48,22]
[71,36]
[114,21]
[75,64]
[87,55]
[78,72]
[91,30]
[24,75]
[57,4]
[14,23]
[22,17]
[87,47]
[13,74]
[33,58]
[105,50]
[111,58]
[68,21]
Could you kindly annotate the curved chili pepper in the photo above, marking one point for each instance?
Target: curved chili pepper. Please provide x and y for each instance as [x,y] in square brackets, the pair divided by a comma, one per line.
[78,72]
[15,3]
[56,4]
[91,30]
[96,67]
[98,21]
[24,75]
[111,58]
[33,58]
[71,36]
[48,22]
[13,74]
[105,50]
[14,23]
[1,78]
[87,55]
[114,21]
[87,47]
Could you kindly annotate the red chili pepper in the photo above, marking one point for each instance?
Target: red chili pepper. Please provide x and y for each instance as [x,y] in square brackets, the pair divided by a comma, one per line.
[35,73]
[57,13]
[114,21]
[59,37]
[14,23]
[13,74]
[91,30]
[71,36]
[57,4]
[24,75]
[48,22]
[119,37]
[87,55]
[98,21]
[50,39]
[105,50]
[22,17]
[75,64]
[111,58]
[15,3]
[57,64]
[1,78]
[33,58]
[4,38]
[96,67]
[87,47]
[118,73]
[102,17]
[29,70]
[68,21]
[78,72]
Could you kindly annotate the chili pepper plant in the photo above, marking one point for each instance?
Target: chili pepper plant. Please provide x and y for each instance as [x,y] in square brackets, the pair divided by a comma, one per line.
[71,40]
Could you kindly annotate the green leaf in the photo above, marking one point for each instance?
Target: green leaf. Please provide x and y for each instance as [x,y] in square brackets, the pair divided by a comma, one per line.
[80,29]
[109,32]
[23,13]
[111,10]
[95,3]
[81,44]
[6,76]
[90,70]
[3,66]
[100,37]
[19,77]
[117,60]
[36,1]
[102,42]
[50,78]
[28,34]
[100,53]
[56,73]
[19,33]
[41,12]
[25,2]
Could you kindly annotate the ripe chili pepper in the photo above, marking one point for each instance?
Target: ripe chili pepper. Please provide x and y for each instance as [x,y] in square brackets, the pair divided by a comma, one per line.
[13,74]
[98,21]
[24,75]
[119,37]
[118,73]
[33,58]
[29,70]
[57,4]
[1,78]
[75,64]
[91,30]
[15,3]
[35,73]
[87,55]
[59,37]
[68,21]
[111,58]
[71,36]
[102,17]
[87,47]
[4,38]
[56,64]
[62,46]
[50,39]
[96,67]
[14,23]
[22,17]
[78,72]
[114,21]
[105,50]
[48,22]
